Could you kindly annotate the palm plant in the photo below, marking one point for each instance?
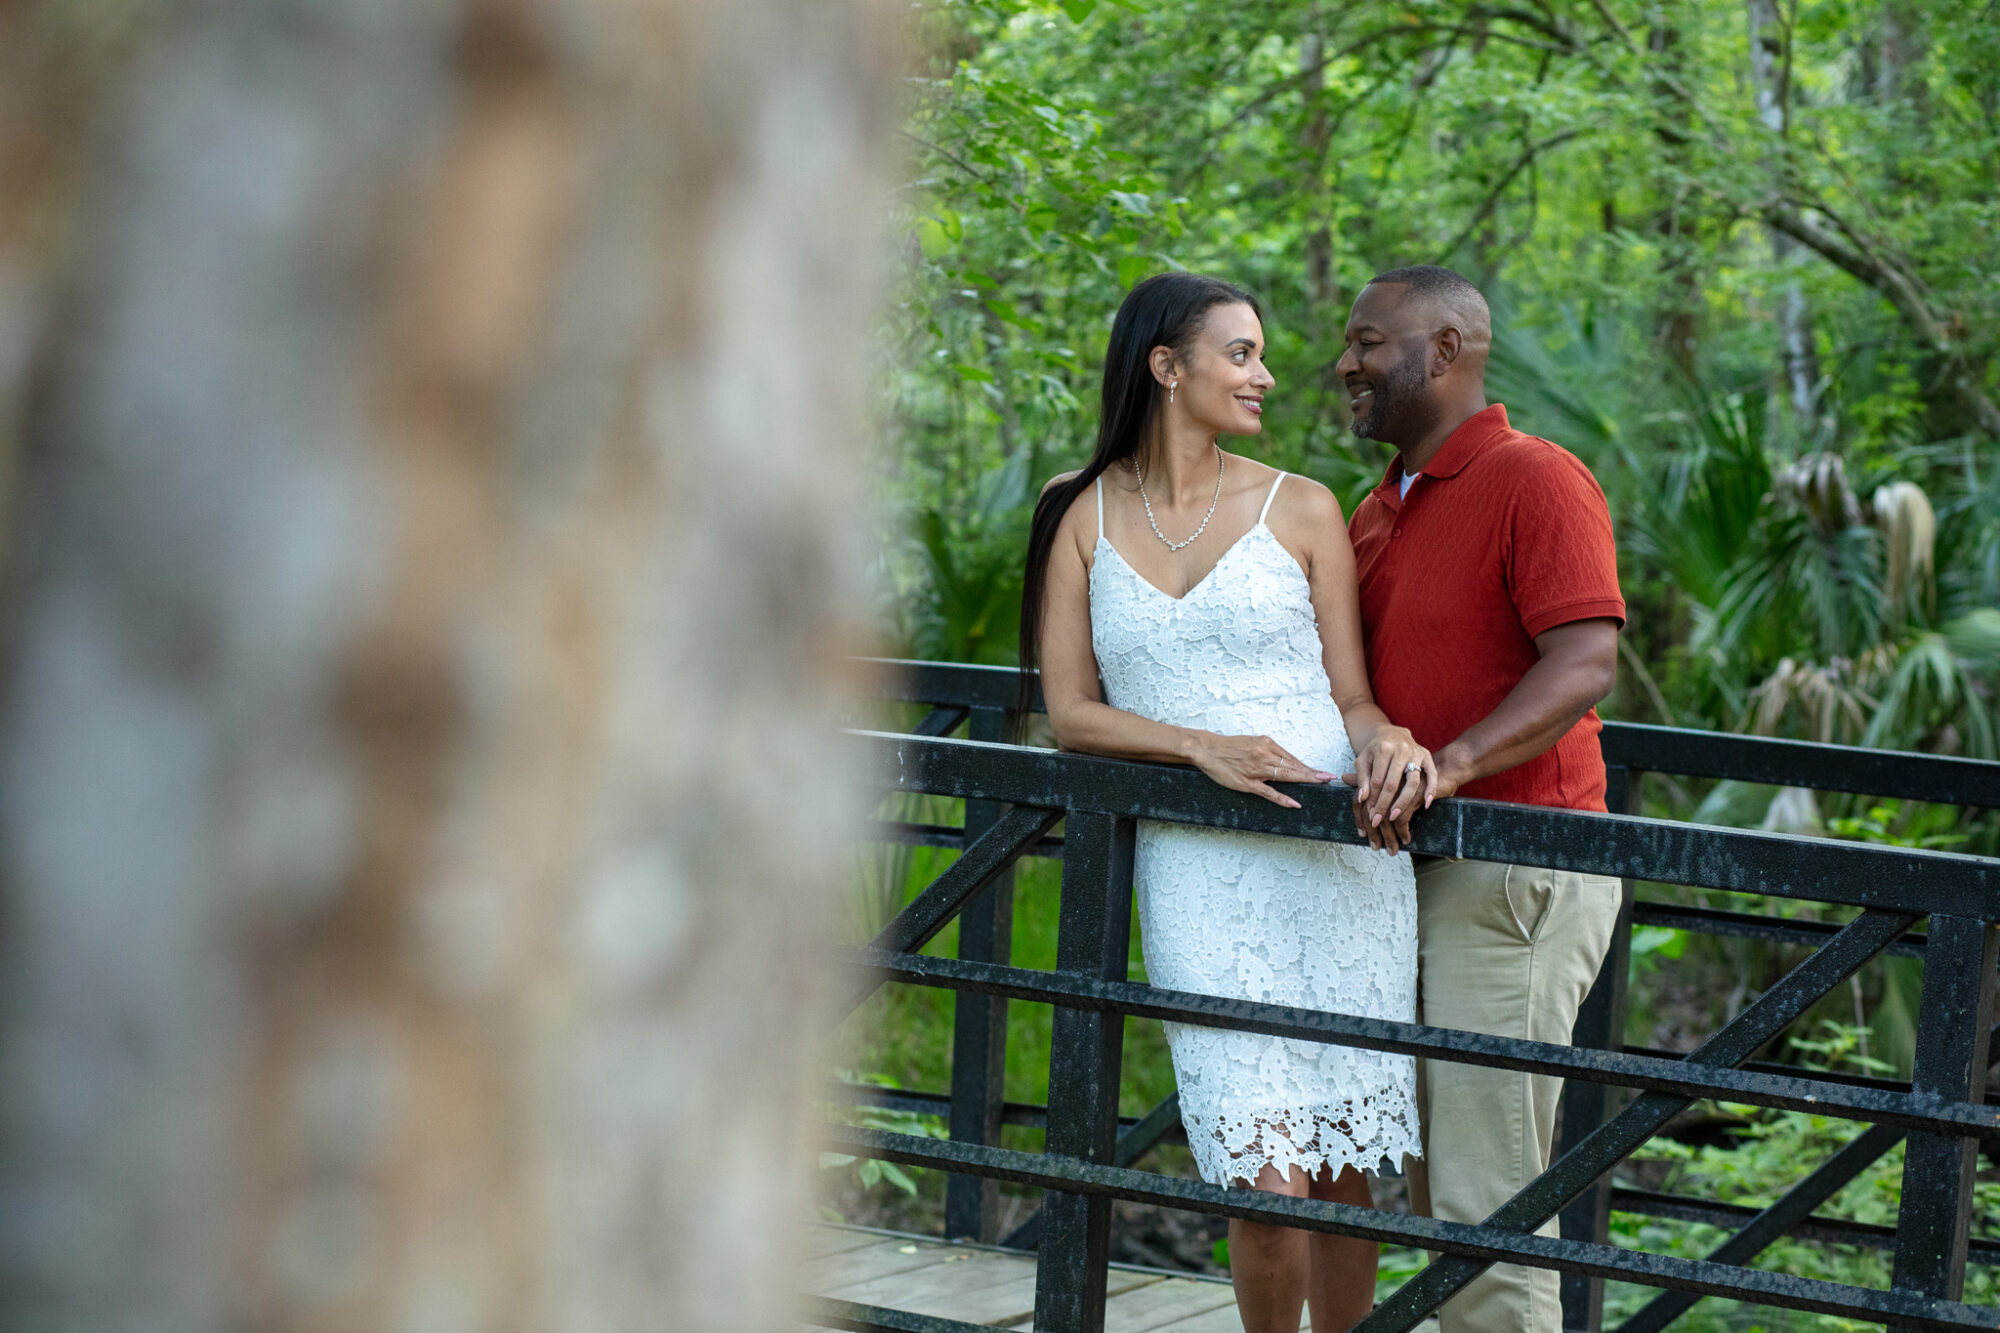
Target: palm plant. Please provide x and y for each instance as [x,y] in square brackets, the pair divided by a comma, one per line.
[967,606]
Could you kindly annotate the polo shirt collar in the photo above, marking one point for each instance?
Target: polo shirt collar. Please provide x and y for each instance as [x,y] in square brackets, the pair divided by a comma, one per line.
[1459,448]
[1467,442]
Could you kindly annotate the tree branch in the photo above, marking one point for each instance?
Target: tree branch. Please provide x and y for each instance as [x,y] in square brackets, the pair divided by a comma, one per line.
[948,156]
[1902,290]
[1547,27]
[1611,21]
[1493,196]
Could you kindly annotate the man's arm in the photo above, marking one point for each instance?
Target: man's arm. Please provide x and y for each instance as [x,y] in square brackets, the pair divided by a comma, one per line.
[1578,666]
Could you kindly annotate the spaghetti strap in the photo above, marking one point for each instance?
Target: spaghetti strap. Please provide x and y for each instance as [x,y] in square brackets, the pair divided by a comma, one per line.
[1100,506]
[1267,499]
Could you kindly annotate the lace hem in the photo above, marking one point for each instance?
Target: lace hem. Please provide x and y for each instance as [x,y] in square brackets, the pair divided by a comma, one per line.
[1232,1147]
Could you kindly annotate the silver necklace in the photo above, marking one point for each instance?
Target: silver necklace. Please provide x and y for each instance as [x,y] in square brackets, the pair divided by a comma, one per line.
[1221,461]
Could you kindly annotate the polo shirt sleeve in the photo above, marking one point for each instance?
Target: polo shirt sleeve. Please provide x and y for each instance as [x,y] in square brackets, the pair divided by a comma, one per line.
[1562,563]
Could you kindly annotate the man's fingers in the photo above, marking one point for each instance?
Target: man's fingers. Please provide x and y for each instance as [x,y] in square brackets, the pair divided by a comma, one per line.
[1402,826]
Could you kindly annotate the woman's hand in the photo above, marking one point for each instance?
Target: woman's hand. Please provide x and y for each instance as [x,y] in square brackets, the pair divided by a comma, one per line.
[1394,777]
[1252,763]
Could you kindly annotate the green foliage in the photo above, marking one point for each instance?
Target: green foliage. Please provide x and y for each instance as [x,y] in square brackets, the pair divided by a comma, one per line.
[1606,171]
[872,1171]
[904,1033]
[1809,546]
[1767,1153]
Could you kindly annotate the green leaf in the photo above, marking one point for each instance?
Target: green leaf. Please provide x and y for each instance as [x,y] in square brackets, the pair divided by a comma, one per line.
[1078,10]
[935,241]
[1133,268]
[975,374]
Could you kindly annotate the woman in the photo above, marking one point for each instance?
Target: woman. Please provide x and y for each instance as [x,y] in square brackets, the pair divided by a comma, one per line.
[1215,598]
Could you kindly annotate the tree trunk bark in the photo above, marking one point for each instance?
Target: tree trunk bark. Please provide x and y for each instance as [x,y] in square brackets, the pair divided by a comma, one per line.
[1797,354]
[1322,288]
[428,588]
[1680,318]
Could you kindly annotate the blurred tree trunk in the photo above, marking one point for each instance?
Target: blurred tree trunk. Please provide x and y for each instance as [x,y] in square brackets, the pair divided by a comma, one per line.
[1322,285]
[429,571]
[1770,75]
[1674,221]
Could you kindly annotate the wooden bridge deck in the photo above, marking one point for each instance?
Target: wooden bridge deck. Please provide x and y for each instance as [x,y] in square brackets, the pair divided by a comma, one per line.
[983,1285]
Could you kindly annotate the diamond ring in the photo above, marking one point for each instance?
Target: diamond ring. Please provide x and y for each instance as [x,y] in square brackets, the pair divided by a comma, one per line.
[1413,767]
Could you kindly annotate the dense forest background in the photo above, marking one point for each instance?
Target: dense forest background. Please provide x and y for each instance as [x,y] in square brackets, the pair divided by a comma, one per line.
[1743,253]
[1745,262]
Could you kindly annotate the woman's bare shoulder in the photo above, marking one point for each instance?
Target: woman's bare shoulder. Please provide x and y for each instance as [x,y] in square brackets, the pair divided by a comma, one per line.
[1308,503]
[1072,525]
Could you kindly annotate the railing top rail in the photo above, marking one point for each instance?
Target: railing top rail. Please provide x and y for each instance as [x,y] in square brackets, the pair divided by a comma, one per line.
[1781,865]
[1948,780]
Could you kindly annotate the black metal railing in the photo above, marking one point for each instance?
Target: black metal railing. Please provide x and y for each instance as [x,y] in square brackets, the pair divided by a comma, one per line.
[1015,796]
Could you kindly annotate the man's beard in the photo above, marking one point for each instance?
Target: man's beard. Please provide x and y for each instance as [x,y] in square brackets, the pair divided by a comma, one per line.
[1402,410]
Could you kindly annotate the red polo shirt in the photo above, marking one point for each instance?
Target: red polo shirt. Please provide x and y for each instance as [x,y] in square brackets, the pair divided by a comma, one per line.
[1503,536]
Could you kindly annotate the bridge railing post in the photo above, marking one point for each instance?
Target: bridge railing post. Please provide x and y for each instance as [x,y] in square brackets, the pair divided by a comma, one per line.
[979,1022]
[1600,1024]
[1092,939]
[1954,1018]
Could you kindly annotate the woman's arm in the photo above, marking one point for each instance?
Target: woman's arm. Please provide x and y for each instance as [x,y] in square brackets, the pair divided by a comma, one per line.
[1387,792]
[1084,722]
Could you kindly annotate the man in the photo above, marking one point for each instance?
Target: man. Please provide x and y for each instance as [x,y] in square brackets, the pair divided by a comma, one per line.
[1490,610]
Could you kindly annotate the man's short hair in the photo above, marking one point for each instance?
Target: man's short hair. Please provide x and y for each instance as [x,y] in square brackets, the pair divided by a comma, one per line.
[1443,287]
[1431,280]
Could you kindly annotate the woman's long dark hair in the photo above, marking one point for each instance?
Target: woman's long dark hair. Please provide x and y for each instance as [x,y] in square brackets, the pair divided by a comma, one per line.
[1167,310]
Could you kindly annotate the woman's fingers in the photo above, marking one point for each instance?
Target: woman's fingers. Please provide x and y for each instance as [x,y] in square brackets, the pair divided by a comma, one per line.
[1407,790]
[1292,769]
[1272,794]
[1388,782]
[1252,763]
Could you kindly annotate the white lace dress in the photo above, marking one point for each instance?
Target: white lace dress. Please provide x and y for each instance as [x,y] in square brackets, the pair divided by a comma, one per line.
[1249,916]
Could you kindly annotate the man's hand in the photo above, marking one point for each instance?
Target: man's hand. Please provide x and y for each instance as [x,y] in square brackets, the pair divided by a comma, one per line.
[1394,777]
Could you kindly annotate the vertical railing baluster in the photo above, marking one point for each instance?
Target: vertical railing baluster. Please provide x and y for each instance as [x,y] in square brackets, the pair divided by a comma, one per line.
[979,1022]
[1600,1025]
[1953,1020]
[1092,939]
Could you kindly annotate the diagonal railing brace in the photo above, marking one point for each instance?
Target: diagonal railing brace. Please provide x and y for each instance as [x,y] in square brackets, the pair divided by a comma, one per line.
[1133,1144]
[1770,1014]
[1773,1223]
[982,861]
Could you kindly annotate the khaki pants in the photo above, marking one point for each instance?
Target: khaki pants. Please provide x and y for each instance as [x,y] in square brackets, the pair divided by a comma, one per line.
[1507,950]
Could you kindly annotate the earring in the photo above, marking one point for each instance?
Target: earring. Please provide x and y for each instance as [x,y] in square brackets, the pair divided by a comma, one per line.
[1171,385]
